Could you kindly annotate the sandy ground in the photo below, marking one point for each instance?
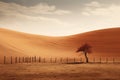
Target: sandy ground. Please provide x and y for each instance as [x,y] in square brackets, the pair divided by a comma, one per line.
[47,71]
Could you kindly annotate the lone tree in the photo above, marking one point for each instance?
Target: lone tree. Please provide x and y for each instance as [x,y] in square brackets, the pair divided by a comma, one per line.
[85,48]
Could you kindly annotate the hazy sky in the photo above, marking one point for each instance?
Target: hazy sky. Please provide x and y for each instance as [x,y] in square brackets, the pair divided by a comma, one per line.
[59,17]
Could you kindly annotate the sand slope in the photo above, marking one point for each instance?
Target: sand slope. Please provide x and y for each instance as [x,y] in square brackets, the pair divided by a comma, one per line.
[104,42]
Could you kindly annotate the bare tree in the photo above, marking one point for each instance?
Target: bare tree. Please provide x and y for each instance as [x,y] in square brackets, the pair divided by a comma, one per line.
[85,48]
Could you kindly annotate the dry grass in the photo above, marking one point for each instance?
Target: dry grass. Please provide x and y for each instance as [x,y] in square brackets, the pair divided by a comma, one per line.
[48,71]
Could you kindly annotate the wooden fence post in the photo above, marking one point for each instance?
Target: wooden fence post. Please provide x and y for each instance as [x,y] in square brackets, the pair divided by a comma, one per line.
[4,59]
[23,60]
[19,59]
[67,60]
[55,60]
[100,59]
[80,59]
[30,59]
[44,60]
[61,60]
[11,60]
[94,60]
[113,60]
[27,59]
[35,58]
[106,60]
[39,59]
[50,60]
[74,60]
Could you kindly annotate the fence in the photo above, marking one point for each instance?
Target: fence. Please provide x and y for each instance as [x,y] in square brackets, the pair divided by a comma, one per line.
[15,60]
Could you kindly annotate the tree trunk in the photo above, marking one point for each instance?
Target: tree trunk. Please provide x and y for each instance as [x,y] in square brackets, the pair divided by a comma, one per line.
[86,57]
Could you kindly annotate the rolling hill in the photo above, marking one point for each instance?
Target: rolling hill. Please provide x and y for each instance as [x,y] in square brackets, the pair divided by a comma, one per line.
[104,43]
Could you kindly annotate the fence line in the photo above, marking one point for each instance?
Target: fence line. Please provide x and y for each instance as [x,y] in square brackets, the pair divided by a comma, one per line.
[35,59]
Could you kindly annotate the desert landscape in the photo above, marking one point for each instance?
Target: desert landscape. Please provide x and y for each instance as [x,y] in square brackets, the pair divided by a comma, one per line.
[105,43]
[59,39]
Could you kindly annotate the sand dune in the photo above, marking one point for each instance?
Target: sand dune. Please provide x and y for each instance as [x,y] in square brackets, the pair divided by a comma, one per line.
[104,43]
